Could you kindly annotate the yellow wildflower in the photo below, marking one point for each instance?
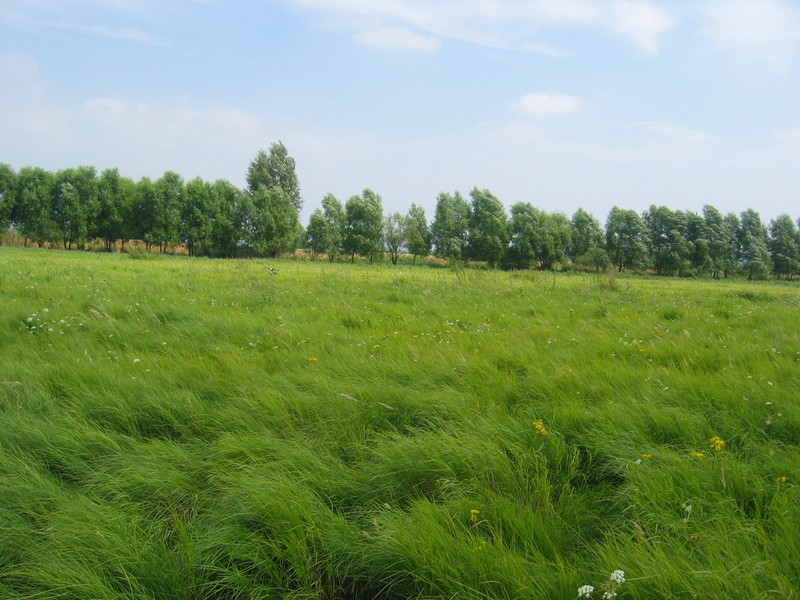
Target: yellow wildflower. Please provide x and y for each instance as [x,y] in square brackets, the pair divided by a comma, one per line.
[698,454]
[783,479]
[473,515]
[539,425]
[376,346]
[717,443]
[312,360]
[647,456]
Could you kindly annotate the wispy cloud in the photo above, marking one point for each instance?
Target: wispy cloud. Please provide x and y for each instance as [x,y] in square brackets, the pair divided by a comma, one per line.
[179,122]
[509,24]
[397,38]
[114,19]
[678,132]
[130,34]
[548,104]
[766,29]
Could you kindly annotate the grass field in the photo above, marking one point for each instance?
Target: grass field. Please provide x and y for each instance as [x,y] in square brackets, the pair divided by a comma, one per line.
[185,429]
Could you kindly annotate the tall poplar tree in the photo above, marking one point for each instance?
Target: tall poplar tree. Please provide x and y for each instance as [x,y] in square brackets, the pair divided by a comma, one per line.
[276,169]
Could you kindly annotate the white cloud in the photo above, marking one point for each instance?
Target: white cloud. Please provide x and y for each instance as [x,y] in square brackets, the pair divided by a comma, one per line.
[396,38]
[504,24]
[547,104]
[678,132]
[32,113]
[640,22]
[767,29]
[791,136]
[129,34]
[178,123]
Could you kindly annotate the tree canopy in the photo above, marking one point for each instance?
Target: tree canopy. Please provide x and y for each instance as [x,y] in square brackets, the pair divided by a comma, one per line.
[77,206]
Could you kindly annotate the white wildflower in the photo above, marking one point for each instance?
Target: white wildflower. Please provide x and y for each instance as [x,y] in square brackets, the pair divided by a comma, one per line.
[585,591]
[618,576]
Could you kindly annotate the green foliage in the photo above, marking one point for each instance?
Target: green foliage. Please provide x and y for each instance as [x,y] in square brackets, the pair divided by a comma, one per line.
[274,222]
[784,246]
[667,232]
[586,234]
[524,228]
[197,215]
[276,169]
[363,225]
[74,208]
[8,195]
[169,191]
[33,210]
[752,239]
[108,212]
[287,429]
[450,226]
[226,226]
[626,239]
[488,234]
[394,235]
[417,233]
[318,238]
[595,259]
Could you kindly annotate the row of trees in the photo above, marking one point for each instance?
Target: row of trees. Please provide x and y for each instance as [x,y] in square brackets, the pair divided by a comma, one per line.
[72,206]
[666,241]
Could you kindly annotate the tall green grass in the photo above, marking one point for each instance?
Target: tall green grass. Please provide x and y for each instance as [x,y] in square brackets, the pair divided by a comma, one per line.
[194,429]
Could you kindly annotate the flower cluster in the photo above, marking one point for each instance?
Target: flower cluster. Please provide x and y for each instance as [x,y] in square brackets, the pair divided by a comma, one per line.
[539,425]
[41,323]
[717,443]
[610,587]
[473,515]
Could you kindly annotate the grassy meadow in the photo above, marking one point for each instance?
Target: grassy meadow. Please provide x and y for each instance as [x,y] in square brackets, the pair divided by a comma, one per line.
[187,429]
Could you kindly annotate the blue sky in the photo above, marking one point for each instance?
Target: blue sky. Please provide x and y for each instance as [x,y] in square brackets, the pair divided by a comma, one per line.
[561,103]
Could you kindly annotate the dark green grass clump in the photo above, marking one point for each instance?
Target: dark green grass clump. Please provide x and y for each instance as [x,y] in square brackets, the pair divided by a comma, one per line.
[193,429]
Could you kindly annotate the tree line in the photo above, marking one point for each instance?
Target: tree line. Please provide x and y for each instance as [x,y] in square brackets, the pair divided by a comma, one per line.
[73,206]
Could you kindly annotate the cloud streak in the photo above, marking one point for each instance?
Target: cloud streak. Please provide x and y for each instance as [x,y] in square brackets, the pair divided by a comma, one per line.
[509,24]
[547,104]
[680,133]
[397,38]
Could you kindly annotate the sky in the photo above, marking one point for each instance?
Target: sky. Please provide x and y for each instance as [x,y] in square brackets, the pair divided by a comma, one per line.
[565,104]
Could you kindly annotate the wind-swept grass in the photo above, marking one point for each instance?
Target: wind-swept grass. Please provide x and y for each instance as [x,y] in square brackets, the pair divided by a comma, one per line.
[194,429]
